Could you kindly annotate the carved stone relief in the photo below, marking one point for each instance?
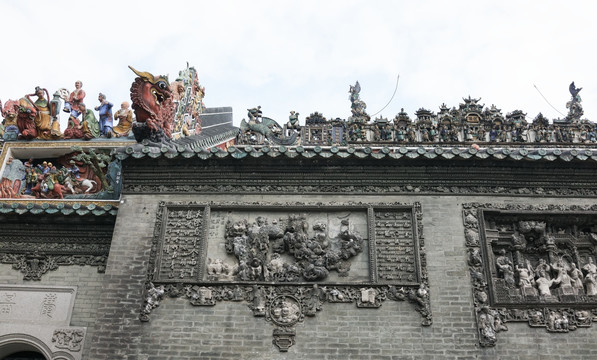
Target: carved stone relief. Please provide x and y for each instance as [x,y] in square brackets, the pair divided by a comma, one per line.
[35,252]
[532,264]
[69,339]
[287,260]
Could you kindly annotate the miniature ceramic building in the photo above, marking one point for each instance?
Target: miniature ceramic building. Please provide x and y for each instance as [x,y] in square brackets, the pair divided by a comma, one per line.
[461,234]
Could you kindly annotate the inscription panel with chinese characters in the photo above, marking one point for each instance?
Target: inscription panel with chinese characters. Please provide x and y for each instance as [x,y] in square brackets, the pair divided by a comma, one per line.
[396,251]
[36,304]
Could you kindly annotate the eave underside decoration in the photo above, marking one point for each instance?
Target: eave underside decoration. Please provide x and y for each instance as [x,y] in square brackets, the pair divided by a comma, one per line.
[285,261]
[533,264]
[35,244]
[359,176]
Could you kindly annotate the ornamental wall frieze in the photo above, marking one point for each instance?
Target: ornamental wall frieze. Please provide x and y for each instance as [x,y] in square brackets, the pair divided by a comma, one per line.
[361,189]
[533,264]
[68,242]
[286,260]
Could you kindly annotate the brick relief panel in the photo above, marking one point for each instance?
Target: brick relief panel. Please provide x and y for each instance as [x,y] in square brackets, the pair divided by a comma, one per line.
[532,264]
[287,260]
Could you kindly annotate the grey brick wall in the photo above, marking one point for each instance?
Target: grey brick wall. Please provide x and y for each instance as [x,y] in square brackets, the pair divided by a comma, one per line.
[177,330]
[89,287]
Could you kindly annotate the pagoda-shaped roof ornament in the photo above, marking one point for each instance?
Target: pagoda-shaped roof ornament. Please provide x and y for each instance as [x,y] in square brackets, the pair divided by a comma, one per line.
[494,115]
[381,120]
[402,118]
[471,111]
[315,118]
[471,105]
[541,121]
[516,118]
[424,116]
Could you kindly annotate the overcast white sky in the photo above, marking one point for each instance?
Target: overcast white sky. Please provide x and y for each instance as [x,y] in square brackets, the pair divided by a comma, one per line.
[303,55]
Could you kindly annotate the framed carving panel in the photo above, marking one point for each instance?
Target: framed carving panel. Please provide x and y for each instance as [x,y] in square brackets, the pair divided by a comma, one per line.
[532,264]
[287,260]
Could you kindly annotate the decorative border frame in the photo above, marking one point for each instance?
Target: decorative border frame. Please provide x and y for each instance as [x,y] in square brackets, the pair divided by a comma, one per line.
[492,318]
[308,297]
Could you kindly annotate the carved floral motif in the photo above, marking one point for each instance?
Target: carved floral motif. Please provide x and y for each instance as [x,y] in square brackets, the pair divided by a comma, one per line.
[69,339]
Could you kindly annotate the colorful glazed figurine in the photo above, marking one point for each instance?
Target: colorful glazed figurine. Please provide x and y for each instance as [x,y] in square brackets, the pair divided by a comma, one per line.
[47,128]
[72,105]
[105,116]
[124,115]
[9,112]
[91,127]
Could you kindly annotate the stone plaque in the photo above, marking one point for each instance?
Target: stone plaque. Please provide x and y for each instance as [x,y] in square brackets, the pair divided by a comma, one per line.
[36,304]
[181,244]
[395,246]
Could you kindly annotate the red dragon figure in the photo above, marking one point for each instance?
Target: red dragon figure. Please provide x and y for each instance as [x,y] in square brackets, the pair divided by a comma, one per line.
[26,120]
[154,108]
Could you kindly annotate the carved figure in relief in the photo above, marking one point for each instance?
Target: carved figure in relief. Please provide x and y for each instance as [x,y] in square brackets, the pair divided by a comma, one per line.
[285,310]
[258,300]
[258,249]
[335,295]
[152,300]
[543,267]
[591,277]
[314,300]
[486,324]
[218,268]
[475,257]
[563,279]
[543,283]
[504,265]
[576,277]
[525,277]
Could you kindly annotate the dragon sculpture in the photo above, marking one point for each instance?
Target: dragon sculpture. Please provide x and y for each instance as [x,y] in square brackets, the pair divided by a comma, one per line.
[268,128]
[154,108]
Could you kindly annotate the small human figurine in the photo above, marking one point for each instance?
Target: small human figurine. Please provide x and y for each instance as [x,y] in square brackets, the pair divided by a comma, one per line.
[74,170]
[124,115]
[75,99]
[105,116]
[91,127]
[47,129]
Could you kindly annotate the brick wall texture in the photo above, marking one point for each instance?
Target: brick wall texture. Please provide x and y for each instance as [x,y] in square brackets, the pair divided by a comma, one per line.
[178,330]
